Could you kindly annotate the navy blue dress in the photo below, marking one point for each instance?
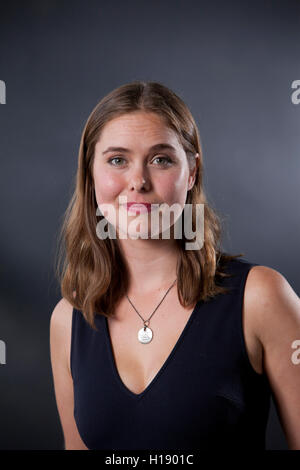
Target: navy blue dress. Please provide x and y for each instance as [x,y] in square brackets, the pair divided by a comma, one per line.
[205,396]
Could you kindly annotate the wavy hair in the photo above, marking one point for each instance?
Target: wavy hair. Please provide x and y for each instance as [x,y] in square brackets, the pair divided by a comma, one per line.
[92,272]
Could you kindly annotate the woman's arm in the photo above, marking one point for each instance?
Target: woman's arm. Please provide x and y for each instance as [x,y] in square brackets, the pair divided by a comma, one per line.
[60,341]
[276,309]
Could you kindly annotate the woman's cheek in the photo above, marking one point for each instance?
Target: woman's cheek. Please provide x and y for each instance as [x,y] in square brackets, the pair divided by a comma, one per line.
[172,187]
[108,187]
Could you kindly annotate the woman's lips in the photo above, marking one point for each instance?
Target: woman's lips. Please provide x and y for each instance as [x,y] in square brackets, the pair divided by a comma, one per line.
[141,207]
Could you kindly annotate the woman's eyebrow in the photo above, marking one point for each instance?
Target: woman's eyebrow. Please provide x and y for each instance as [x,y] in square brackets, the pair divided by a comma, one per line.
[156,147]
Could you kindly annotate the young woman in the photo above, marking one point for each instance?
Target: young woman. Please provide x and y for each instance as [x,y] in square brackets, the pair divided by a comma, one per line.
[153,345]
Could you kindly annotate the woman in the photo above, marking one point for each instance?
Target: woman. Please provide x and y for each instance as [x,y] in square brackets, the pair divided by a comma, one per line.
[153,345]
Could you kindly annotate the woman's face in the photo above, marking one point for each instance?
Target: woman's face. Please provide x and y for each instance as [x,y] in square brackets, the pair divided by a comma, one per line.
[125,157]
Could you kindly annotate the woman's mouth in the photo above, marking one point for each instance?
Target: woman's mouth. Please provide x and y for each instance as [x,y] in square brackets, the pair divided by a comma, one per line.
[141,207]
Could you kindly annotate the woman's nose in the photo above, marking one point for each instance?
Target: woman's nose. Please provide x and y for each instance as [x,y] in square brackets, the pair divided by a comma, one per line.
[139,182]
[138,185]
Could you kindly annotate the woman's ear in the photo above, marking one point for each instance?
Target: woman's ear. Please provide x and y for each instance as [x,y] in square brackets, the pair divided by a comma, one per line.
[193,173]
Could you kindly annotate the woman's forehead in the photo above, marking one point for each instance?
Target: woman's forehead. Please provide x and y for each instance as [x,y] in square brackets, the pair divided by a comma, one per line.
[127,127]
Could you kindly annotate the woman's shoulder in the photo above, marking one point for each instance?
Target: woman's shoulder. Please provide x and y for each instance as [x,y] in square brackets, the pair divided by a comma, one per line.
[270,300]
[261,285]
[261,281]
[60,331]
[61,322]
[263,278]
[62,313]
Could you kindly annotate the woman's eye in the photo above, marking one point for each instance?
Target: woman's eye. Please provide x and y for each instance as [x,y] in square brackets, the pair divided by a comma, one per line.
[164,161]
[115,158]
[167,160]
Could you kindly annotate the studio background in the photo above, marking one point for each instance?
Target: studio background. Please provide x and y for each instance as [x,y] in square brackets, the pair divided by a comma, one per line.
[233,64]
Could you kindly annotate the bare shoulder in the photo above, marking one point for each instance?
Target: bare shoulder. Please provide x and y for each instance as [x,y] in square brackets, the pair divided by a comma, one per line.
[270,301]
[60,329]
[62,313]
[60,342]
[275,308]
[261,280]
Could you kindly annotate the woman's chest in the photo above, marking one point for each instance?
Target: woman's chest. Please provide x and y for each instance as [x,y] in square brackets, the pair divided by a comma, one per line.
[138,364]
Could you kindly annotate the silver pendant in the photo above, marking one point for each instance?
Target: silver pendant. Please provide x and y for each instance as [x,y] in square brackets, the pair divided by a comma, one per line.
[145,335]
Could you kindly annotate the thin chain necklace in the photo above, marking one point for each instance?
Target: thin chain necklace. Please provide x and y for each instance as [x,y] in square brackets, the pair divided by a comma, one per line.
[145,334]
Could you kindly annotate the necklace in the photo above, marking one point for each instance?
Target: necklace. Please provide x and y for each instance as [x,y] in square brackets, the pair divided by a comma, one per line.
[145,334]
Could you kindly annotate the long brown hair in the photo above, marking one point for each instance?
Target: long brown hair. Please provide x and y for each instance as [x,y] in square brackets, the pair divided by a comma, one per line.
[92,273]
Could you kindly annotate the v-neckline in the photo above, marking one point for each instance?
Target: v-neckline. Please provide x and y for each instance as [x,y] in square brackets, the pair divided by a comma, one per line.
[170,356]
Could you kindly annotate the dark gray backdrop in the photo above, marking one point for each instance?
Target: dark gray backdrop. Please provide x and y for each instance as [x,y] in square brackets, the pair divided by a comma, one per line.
[232,62]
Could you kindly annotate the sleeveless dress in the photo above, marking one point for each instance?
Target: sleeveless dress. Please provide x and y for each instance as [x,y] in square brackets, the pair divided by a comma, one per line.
[205,396]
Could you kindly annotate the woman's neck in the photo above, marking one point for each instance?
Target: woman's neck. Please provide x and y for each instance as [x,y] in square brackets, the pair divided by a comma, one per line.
[152,264]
